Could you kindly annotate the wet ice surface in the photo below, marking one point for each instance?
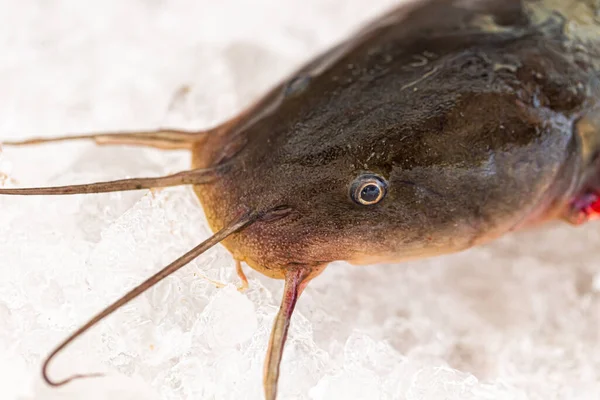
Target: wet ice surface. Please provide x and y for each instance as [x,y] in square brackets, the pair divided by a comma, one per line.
[518,319]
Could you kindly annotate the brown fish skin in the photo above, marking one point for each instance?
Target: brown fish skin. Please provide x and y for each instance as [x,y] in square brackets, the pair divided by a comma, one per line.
[468,109]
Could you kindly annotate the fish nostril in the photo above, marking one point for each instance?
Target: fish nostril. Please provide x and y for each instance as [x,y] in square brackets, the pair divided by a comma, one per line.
[277,213]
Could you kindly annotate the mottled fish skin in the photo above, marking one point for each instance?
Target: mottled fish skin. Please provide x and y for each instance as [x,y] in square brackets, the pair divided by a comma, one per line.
[473,111]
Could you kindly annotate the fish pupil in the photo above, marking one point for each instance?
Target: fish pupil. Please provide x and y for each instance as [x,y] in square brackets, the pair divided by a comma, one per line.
[370,193]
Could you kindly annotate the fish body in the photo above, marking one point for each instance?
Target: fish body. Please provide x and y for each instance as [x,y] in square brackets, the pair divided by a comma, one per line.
[481,116]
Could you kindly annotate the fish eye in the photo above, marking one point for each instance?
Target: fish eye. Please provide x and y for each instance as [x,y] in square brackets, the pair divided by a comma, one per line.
[368,190]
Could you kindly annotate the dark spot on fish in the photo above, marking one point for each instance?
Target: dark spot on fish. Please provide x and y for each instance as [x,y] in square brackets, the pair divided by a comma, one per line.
[297,85]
